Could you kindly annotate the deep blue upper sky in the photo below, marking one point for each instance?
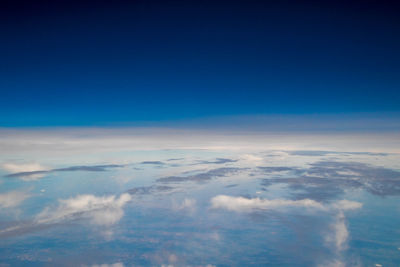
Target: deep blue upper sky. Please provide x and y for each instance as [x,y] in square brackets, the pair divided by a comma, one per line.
[81,63]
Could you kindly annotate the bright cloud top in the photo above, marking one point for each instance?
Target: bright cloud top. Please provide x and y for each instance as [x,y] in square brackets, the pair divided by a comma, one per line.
[118,264]
[23,167]
[345,204]
[240,204]
[105,210]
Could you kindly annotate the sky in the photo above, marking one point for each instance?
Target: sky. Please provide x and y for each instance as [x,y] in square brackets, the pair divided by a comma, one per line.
[80,63]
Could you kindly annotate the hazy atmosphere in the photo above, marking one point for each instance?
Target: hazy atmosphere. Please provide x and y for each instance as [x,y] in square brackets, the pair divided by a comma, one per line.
[199,133]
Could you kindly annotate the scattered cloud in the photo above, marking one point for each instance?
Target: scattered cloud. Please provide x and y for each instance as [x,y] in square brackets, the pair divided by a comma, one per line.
[326,180]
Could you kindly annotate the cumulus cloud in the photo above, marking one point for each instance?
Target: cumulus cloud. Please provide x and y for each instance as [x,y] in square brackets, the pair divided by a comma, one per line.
[12,199]
[240,204]
[105,210]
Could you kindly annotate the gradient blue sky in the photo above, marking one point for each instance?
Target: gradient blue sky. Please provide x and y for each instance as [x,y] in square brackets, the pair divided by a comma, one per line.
[80,63]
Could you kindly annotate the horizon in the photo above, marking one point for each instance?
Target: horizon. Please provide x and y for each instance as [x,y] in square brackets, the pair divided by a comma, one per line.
[199,133]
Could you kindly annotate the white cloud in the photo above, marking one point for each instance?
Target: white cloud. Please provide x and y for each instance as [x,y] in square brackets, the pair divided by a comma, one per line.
[251,158]
[105,210]
[12,199]
[339,233]
[347,205]
[118,264]
[25,167]
[240,204]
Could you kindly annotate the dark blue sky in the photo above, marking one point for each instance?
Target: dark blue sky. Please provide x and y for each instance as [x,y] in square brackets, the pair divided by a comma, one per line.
[82,63]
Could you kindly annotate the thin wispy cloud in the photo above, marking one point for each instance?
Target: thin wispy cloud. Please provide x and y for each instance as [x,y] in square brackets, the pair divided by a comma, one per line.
[33,171]
[31,175]
[97,210]
[187,205]
[103,210]
[13,199]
